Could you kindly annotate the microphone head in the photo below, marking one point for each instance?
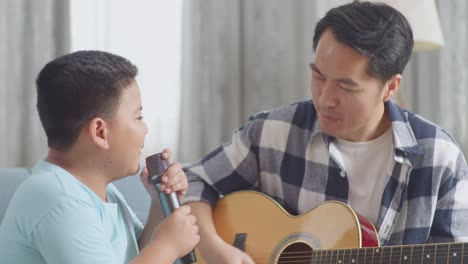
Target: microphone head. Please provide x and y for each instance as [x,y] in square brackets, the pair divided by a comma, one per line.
[156,164]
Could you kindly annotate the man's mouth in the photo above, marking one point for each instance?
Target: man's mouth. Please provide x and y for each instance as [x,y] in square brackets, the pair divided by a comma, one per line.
[328,116]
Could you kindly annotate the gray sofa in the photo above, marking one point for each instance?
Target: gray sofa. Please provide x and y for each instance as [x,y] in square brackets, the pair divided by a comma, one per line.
[131,188]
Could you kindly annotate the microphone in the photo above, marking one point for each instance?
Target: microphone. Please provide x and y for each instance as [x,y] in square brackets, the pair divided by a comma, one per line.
[169,202]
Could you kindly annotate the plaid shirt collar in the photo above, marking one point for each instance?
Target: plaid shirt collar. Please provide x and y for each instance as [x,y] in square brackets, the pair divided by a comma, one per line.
[404,138]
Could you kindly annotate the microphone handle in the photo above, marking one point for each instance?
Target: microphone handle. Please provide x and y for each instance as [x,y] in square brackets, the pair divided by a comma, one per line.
[170,202]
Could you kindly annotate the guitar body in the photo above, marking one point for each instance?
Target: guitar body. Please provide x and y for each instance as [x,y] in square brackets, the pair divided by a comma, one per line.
[265,231]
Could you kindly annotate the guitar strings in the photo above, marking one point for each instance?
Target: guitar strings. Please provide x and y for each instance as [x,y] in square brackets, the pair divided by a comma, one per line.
[361,251]
[399,254]
[331,259]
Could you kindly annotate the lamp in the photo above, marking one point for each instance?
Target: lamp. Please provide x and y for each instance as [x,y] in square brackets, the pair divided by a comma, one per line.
[424,20]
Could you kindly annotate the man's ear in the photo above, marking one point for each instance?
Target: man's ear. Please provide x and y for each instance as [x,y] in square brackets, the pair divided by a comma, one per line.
[99,132]
[392,86]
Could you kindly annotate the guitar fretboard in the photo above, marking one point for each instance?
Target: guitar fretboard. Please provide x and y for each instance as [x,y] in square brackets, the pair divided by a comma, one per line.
[421,254]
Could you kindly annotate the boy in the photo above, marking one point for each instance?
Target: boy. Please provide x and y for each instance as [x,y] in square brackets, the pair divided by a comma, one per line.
[68,211]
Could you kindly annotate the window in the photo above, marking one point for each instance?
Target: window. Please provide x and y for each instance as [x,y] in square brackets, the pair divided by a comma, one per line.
[149,34]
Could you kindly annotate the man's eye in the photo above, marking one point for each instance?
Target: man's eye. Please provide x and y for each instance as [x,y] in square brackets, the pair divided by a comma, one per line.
[320,78]
[345,89]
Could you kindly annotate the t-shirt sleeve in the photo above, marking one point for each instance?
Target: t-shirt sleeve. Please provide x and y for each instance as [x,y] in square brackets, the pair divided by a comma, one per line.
[72,232]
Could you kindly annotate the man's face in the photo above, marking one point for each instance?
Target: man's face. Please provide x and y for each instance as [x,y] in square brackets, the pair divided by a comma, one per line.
[349,102]
[127,131]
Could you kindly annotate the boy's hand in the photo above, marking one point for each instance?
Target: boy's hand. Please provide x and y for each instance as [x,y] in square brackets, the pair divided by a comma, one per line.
[173,180]
[178,233]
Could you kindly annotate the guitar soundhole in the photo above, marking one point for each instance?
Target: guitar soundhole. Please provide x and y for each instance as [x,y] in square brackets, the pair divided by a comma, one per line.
[297,253]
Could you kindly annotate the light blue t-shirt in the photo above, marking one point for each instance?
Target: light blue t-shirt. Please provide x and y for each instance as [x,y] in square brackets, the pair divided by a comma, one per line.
[53,218]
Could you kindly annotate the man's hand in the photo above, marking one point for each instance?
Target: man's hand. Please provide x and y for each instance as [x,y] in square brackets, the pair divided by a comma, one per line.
[212,248]
[223,253]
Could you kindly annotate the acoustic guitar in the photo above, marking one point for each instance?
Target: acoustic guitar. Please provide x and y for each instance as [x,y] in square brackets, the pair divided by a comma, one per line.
[329,233]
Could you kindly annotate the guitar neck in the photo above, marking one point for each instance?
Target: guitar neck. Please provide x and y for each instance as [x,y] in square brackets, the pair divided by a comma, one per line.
[427,253]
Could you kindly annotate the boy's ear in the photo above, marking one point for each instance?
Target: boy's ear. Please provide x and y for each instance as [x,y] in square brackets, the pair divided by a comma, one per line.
[98,131]
[392,87]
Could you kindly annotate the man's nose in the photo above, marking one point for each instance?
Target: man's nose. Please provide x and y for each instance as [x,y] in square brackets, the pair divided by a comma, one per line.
[328,97]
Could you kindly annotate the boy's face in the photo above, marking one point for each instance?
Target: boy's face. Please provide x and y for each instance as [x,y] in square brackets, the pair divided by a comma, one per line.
[127,131]
[349,102]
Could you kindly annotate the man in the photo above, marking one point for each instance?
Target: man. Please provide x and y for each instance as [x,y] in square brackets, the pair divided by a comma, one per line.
[68,211]
[350,143]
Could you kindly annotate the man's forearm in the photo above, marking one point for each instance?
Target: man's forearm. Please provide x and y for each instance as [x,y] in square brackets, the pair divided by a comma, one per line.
[207,231]
[155,253]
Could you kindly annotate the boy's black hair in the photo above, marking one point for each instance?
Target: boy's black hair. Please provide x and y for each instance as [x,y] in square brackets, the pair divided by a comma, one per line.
[74,88]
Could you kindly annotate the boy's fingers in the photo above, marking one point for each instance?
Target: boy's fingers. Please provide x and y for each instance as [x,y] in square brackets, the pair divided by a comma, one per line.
[166,154]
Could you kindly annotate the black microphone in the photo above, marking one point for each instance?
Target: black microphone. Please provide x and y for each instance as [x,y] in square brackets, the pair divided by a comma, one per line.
[169,202]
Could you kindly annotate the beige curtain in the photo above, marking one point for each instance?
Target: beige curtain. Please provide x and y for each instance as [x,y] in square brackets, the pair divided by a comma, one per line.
[31,33]
[241,57]
[436,82]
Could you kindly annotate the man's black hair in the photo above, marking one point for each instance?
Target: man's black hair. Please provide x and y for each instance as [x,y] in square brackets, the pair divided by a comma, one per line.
[375,30]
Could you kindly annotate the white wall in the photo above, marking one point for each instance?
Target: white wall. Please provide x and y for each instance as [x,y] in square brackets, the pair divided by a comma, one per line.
[148,32]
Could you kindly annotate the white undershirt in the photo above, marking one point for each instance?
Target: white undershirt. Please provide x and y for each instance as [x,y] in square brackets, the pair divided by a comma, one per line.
[368,166]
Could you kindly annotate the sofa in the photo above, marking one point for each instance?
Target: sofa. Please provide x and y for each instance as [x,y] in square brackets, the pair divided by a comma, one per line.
[131,188]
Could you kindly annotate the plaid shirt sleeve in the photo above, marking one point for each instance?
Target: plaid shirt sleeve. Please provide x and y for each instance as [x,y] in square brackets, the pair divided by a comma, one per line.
[231,167]
[280,154]
[451,212]
[429,201]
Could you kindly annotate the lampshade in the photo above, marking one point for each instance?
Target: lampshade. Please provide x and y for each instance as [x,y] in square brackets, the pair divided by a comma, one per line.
[424,20]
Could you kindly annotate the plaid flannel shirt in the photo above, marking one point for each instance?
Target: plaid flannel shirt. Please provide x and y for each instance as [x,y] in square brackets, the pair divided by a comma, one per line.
[284,154]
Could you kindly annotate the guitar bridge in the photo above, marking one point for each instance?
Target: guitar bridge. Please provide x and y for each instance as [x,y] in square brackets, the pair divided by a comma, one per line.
[239,241]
